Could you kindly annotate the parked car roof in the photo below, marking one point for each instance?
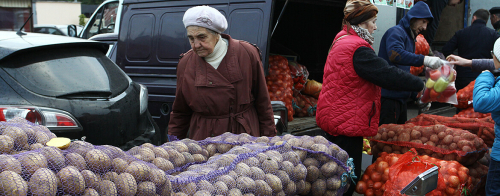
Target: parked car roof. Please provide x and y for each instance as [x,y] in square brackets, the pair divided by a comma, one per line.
[13,43]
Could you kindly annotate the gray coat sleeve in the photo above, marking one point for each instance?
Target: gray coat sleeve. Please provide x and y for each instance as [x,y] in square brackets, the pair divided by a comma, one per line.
[479,65]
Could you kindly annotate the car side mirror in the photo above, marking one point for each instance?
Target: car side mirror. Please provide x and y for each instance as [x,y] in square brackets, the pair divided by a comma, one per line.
[72,31]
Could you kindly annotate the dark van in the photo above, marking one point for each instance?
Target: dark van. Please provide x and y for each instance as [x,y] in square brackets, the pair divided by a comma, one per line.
[151,37]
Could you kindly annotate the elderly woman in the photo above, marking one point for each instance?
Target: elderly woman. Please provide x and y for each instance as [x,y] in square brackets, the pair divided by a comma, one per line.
[349,104]
[221,85]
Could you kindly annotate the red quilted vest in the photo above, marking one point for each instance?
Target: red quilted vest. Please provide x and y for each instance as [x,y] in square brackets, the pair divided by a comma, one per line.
[348,104]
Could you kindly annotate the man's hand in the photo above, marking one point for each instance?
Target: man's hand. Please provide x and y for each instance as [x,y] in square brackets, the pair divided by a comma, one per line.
[456,60]
[433,62]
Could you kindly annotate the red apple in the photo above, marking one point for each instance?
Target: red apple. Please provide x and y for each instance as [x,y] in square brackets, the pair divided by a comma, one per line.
[433,94]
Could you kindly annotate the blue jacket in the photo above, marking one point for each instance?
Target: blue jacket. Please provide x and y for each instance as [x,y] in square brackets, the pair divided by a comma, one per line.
[473,42]
[486,99]
[397,47]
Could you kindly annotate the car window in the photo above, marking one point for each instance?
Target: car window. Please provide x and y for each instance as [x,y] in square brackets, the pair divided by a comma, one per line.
[54,31]
[104,22]
[57,72]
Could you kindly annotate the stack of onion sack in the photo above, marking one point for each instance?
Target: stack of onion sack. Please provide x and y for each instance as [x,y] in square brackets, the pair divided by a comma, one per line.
[421,47]
[304,105]
[391,172]
[19,135]
[482,127]
[478,173]
[299,75]
[280,82]
[469,113]
[440,85]
[464,96]
[282,165]
[81,169]
[312,88]
[437,141]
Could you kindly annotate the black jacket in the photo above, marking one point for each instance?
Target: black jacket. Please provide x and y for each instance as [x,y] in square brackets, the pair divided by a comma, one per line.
[473,42]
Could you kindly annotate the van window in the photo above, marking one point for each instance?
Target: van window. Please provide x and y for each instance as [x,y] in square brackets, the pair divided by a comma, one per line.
[103,22]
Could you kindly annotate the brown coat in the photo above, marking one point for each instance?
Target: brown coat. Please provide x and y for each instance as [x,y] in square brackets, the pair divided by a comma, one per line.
[232,98]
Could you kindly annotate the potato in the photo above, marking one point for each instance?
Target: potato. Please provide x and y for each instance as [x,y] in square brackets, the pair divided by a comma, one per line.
[318,188]
[223,148]
[146,154]
[299,172]
[148,145]
[242,169]
[270,166]
[290,189]
[234,192]
[189,188]
[202,193]
[245,184]
[165,189]
[194,148]
[199,158]
[43,182]
[274,182]
[302,154]
[80,147]
[262,139]
[32,161]
[17,135]
[306,189]
[188,157]
[176,158]
[97,160]
[12,184]
[333,183]
[329,169]
[111,176]
[113,151]
[36,146]
[221,188]
[229,181]
[415,134]
[257,173]
[225,160]
[163,164]
[212,149]
[54,157]
[72,180]
[405,137]
[441,135]
[262,188]
[312,174]
[160,152]
[300,186]
[90,192]
[275,155]
[292,157]
[9,163]
[283,176]
[139,170]
[6,144]
[447,140]
[180,146]
[107,187]
[91,180]
[41,137]
[59,142]
[311,162]
[146,188]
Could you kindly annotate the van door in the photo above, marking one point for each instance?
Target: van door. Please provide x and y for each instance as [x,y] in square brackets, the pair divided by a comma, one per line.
[104,20]
[152,36]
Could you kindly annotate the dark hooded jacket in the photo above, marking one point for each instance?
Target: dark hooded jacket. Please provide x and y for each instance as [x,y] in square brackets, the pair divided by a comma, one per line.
[397,47]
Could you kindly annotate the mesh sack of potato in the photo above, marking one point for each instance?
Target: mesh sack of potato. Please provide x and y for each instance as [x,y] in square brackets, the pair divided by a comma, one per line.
[453,178]
[19,135]
[322,164]
[437,141]
[470,124]
[81,169]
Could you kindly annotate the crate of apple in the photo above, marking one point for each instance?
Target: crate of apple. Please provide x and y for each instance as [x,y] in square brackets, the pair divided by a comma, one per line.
[440,85]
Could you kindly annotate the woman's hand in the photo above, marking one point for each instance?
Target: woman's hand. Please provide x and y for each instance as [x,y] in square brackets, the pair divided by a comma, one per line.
[456,60]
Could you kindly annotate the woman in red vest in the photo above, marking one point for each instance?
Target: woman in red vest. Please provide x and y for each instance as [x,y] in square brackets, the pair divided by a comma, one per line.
[349,103]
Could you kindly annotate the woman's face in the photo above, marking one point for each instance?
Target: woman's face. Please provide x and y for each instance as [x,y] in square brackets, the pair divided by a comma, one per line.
[202,40]
[370,24]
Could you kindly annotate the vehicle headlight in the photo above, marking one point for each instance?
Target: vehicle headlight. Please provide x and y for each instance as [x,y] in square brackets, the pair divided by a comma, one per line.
[143,97]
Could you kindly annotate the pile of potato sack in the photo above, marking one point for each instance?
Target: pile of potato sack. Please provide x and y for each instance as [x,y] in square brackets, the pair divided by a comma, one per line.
[227,165]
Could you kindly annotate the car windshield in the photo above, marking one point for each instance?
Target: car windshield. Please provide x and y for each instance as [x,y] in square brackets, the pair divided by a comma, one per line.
[63,71]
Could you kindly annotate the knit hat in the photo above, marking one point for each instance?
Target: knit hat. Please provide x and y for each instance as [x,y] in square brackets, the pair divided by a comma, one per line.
[496,49]
[358,11]
[205,16]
